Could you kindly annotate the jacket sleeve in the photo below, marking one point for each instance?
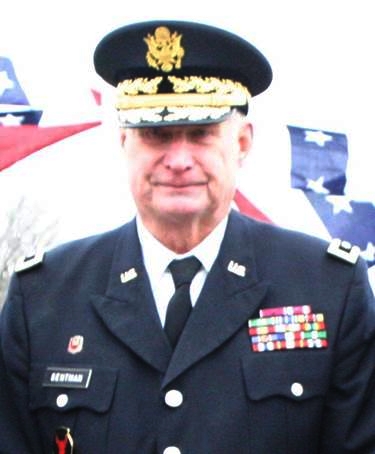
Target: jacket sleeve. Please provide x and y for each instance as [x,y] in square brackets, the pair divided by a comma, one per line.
[348,425]
[18,430]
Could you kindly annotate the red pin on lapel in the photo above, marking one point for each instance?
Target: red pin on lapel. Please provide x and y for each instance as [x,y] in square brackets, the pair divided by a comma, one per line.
[75,344]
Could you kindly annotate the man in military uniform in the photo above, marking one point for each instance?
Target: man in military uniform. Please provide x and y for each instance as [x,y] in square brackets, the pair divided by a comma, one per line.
[192,329]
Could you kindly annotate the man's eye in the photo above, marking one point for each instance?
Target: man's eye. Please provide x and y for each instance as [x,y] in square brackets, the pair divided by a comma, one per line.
[199,133]
[156,135]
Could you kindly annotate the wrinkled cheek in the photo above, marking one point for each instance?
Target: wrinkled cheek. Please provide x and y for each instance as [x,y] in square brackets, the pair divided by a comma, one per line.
[139,188]
[218,188]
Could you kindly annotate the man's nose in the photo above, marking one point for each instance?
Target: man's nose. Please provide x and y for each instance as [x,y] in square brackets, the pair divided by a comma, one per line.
[178,157]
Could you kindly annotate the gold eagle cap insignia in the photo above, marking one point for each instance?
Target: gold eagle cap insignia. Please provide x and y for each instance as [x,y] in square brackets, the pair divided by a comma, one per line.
[164,49]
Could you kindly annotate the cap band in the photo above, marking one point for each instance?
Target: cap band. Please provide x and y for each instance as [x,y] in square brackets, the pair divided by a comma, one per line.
[190,91]
[158,115]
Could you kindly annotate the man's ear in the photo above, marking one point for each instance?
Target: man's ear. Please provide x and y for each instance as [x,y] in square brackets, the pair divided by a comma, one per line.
[245,140]
[122,136]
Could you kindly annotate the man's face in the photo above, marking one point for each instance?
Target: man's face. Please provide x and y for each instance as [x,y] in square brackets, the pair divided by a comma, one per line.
[185,173]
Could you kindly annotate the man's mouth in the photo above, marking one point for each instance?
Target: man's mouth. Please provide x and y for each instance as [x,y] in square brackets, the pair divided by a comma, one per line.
[179,185]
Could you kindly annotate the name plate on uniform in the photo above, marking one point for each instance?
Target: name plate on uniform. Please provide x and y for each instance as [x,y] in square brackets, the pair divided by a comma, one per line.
[67,377]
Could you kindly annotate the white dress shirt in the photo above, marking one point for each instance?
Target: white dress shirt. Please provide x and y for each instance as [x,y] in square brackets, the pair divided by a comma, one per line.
[157,257]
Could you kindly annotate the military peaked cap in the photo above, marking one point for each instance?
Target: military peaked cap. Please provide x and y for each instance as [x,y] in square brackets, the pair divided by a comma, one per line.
[169,72]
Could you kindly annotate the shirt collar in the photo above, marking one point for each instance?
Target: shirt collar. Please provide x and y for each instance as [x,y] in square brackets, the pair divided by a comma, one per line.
[157,257]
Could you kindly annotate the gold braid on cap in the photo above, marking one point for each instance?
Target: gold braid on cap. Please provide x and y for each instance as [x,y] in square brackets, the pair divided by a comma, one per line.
[187,92]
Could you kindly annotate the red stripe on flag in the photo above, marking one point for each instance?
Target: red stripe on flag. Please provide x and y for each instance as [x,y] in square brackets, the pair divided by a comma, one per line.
[246,207]
[97,96]
[17,142]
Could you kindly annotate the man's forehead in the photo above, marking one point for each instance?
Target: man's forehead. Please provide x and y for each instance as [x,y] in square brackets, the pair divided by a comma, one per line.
[179,128]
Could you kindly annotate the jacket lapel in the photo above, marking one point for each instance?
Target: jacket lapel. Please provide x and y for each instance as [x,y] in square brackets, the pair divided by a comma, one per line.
[230,296]
[128,309]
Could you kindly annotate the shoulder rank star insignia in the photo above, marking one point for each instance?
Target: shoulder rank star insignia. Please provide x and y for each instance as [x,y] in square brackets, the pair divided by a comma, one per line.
[128,275]
[344,250]
[29,261]
[236,268]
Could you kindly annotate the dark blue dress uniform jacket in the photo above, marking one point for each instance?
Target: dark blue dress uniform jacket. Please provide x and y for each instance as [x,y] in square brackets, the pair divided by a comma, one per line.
[234,400]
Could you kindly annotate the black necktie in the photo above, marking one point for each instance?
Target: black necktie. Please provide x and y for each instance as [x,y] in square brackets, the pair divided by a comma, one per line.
[179,306]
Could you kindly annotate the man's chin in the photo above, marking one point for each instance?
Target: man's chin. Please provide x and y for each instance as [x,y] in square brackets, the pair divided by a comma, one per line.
[181,212]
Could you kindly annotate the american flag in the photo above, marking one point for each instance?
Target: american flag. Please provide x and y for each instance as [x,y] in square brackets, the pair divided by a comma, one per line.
[318,181]
[319,168]
[20,132]
[15,108]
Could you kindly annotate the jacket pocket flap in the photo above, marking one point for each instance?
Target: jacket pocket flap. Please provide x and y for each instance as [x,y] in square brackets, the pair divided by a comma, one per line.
[67,387]
[294,375]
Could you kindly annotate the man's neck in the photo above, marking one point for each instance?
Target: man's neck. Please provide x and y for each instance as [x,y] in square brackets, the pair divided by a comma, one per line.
[182,236]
